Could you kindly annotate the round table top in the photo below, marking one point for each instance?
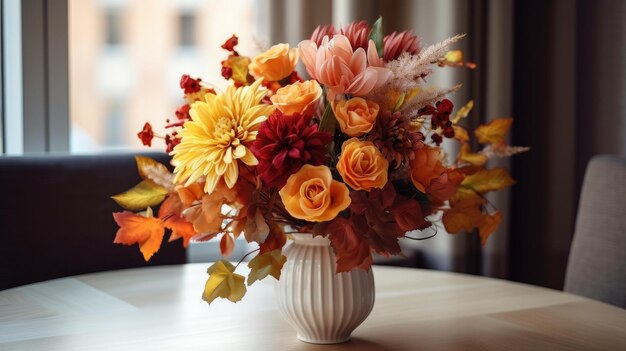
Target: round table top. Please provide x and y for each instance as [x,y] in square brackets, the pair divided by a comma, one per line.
[160,308]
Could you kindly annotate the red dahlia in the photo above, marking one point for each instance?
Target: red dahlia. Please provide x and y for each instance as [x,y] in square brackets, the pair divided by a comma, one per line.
[284,144]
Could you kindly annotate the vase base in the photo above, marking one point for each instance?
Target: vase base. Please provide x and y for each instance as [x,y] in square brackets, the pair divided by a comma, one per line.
[323,341]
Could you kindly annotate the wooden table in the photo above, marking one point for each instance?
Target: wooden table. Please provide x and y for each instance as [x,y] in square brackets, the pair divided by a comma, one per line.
[160,309]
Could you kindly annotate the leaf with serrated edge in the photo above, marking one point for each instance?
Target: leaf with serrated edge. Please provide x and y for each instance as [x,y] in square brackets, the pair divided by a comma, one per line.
[224,283]
[146,231]
[475,159]
[463,112]
[493,132]
[488,225]
[488,180]
[269,263]
[145,194]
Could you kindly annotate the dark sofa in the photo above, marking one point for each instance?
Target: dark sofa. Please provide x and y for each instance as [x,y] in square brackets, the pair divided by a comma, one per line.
[55,218]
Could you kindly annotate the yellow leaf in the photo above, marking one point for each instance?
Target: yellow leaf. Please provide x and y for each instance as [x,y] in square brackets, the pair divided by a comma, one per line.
[488,225]
[475,159]
[493,132]
[224,283]
[149,168]
[488,180]
[465,212]
[463,112]
[269,263]
[460,134]
[454,56]
[239,65]
[145,194]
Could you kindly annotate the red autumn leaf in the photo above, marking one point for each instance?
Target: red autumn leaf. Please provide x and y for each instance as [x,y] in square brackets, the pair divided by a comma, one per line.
[227,245]
[275,240]
[136,229]
[444,186]
[350,248]
[409,216]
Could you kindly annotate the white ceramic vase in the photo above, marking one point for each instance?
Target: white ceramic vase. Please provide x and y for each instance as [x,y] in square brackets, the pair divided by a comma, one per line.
[323,307]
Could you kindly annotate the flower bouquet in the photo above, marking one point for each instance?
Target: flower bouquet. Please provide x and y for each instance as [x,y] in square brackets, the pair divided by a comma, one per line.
[353,154]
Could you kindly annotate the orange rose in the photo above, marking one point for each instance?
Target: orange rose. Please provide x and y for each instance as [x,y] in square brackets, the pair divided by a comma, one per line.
[275,64]
[312,194]
[299,97]
[362,166]
[355,116]
[426,166]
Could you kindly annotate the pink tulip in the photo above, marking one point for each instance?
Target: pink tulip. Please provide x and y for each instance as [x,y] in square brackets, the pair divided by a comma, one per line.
[341,69]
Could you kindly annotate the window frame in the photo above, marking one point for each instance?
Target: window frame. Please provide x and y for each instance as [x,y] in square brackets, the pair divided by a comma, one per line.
[35,113]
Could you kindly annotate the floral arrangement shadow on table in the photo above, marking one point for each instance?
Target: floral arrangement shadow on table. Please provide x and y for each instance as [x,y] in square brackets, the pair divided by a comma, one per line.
[353,154]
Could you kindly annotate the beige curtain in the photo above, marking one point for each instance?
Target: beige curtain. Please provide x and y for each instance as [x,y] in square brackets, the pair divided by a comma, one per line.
[489,85]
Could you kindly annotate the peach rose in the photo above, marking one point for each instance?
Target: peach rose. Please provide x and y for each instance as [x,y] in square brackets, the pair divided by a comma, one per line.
[299,97]
[275,64]
[312,194]
[355,116]
[362,165]
[426,166]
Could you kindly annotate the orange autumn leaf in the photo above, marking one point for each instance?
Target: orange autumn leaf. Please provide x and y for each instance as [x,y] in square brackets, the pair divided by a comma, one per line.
[475,159]
[227,245]
[465,212]
[493,132]
[191,193]
[488,180]
[460,134]
[170,214]
[147,231]
[488,225]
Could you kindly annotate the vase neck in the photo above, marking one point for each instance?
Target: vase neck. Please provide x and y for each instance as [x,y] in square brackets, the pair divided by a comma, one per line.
[308,239]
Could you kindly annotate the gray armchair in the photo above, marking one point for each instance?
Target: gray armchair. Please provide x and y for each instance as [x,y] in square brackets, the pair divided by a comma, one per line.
[597,261]
[55,218]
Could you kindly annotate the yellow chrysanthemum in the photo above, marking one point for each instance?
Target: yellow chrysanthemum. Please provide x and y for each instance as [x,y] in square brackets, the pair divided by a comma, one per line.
[219,135]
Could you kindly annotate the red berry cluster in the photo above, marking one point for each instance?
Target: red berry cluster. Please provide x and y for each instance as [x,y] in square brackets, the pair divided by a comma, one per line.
[440,119]
[189,85]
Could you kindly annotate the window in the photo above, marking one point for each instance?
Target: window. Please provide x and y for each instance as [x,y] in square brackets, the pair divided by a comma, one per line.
[78,58]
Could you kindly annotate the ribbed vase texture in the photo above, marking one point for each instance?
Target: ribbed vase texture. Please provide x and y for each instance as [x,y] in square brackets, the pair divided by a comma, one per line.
[323,307]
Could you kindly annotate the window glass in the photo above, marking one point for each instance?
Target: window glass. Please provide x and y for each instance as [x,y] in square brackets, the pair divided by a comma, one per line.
[127,56]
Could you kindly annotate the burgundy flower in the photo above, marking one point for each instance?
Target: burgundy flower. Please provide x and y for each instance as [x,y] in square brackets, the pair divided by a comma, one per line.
[146,134]
[396,43]
[284,144]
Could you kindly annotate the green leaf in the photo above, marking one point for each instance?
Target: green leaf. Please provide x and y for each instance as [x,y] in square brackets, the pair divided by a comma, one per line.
[327,123]
[145,194]
[377,35]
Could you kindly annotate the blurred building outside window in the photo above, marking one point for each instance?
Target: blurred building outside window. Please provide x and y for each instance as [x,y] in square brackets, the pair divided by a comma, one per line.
[126,58]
